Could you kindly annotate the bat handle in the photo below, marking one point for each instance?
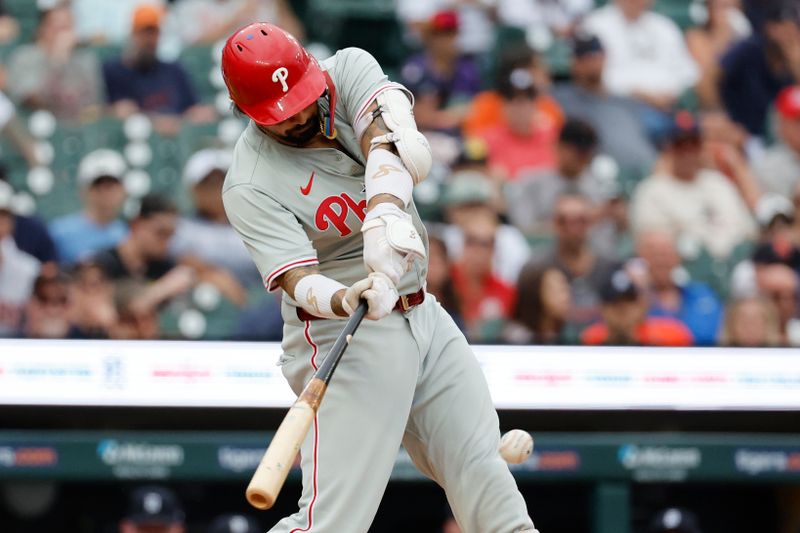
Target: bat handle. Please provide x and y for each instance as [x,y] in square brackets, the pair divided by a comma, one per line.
[342,341]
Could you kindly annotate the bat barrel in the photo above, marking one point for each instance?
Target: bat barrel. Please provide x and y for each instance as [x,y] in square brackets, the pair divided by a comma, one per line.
[274,467]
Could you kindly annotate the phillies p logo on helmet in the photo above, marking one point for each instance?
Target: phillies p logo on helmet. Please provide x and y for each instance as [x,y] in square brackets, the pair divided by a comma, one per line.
[280,75]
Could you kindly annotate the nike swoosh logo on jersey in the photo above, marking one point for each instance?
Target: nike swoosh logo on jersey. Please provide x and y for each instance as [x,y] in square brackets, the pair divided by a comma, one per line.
[307,189]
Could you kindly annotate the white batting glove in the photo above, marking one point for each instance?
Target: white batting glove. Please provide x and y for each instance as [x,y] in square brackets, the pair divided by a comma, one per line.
[378,290]
[391,243]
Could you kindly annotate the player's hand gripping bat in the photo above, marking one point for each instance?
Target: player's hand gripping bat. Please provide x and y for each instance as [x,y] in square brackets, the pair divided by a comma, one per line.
[271,473]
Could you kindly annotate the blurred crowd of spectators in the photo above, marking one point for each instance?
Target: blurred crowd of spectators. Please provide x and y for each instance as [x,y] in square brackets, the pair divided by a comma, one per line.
[647,192]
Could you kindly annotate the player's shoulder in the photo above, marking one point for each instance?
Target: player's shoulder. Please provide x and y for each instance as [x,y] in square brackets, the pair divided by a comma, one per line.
[351,57]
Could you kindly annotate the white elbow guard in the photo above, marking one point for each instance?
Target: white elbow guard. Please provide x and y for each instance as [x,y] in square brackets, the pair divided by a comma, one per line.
[396,110]
[314,294]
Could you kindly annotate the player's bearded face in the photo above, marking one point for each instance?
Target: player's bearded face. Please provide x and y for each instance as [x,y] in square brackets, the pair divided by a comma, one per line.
[299,129]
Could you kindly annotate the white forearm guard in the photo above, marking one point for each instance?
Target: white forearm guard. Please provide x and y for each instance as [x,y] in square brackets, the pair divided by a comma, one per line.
[386,174]
[314,294]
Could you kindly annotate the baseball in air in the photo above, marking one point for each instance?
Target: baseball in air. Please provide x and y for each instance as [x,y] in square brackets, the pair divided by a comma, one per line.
[516,446]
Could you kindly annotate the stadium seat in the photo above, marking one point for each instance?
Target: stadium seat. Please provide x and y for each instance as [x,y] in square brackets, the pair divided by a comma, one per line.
[677,10]
[27,14]
[368,24]
[198,62]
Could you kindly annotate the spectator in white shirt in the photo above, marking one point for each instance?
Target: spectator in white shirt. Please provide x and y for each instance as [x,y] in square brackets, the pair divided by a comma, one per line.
[647,57]
[696,204]
[18,270]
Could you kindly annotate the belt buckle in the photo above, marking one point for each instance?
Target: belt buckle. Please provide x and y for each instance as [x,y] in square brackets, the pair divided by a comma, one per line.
[404,305]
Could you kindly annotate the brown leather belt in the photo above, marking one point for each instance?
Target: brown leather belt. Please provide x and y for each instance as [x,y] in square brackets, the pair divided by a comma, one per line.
[404,303]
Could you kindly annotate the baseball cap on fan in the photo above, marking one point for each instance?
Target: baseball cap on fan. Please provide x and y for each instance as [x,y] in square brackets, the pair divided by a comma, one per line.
[203,162]
[101,163]
[234,523]
[618,287]
[154,505]
[444,22]
[772,206]
[584,45]
[788,103]
[147,16]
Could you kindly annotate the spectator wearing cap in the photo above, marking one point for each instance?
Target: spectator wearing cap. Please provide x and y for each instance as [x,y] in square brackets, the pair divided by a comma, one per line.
[647,57]
[18,270]
[99,22]
[52,73]
[486,301]
[776,217]
[153,509]
[443,81]
[778,170]
[690,200]
[572,253]
[620,132]
[207,235]
[674,520]
[140,82]
[625,320]
[476,28]
[470,194]
[486,109]
[525,141]
[234,523]
[530,200]
[96,227]
[724,25]
[669,292]
[755,70]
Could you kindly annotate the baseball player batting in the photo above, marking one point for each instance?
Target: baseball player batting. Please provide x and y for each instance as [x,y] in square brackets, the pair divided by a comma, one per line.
[320,190]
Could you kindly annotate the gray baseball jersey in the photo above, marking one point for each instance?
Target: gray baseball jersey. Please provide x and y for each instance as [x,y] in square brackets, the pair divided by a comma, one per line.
[409,377]
[304,206]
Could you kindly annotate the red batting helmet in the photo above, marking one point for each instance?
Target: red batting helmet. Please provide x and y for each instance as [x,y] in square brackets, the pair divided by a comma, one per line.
[269,75]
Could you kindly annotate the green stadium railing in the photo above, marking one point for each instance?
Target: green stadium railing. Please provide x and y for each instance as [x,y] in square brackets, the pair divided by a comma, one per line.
[614,463]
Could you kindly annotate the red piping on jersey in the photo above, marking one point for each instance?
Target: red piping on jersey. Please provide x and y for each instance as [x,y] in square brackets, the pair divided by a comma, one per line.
[379,90]
[311,343]
[288,266]
[314,485]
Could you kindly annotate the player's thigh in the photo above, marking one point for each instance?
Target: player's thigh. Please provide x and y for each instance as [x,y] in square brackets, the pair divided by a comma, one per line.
[380,365]
[453,414]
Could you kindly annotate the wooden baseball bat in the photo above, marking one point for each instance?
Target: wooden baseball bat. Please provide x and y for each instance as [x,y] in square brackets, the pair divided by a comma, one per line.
[269,477]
